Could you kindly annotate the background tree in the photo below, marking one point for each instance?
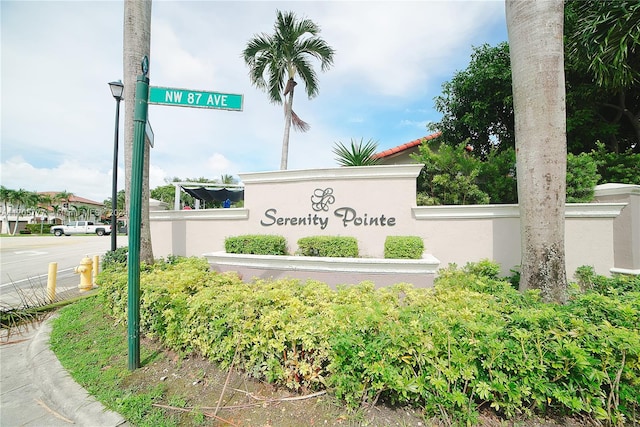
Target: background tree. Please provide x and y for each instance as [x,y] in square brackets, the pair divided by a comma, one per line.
[605,35]
[137,44]
[358,153]
[275,58]
[477,105]
[497,176]
[449,175]
[613,167]
[167,193]
[5,199]
[582,177]
[120,208]
[120,202]
[32,202]
[227,179]
[64,197]
[42,209]
[603,41]
[18,198]
[535,32]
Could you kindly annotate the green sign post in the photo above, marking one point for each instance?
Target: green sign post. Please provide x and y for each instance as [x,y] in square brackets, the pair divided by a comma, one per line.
[135,216]
[145,95]
[194,98]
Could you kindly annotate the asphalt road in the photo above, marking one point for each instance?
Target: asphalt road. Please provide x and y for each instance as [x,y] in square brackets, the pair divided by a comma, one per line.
[24,263]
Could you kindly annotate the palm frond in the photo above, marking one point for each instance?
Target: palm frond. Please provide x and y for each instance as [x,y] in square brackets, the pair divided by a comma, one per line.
[299,124]
[358,153]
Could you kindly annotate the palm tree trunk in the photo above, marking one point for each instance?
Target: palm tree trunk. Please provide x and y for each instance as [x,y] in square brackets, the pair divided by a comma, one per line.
[137,44]
[535,31]
[15,226]
[288,108]
[5,220]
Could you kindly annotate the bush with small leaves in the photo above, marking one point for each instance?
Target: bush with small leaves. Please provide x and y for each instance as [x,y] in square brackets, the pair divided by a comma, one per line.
[328,246]
[256,244]
[403,247]
[472,341]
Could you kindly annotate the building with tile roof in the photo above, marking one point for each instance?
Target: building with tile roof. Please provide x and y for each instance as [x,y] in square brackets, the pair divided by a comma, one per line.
[401,155]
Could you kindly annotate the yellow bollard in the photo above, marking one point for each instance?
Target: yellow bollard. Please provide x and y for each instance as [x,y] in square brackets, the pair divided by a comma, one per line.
[51,281]
[85,274]
[96,268]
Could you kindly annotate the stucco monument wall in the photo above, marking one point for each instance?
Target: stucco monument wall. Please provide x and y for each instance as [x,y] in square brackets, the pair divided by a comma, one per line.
[371,203]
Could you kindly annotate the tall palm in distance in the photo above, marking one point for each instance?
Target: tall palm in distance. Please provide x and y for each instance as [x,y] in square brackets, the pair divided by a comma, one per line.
[274,61]
[227,179]
[5,198]
[65,198]
[18,199]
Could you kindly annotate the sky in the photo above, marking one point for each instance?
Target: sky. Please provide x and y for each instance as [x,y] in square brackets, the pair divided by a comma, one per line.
[57,114]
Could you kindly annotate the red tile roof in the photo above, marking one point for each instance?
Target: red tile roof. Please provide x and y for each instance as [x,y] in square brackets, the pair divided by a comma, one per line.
[406,146]
[73,199]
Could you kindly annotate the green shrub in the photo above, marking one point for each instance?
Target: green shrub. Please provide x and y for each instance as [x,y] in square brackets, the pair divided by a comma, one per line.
[484,267]
[497,176]
[35,228]
[328,246]
[403,247]
[257,244]
[472,341]
[582,178]
[615,285]
[114,259]
[449,176]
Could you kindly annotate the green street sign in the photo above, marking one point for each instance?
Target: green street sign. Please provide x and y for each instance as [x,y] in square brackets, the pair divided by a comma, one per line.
[194,98]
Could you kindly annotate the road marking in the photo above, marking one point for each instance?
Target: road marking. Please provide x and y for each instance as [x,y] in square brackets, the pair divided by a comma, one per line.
[34,253]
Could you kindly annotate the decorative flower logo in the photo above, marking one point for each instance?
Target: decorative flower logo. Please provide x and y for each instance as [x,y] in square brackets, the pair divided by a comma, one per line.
[321,199]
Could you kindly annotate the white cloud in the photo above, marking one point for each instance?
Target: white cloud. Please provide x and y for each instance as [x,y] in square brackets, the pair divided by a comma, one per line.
[58,114]
[79,179]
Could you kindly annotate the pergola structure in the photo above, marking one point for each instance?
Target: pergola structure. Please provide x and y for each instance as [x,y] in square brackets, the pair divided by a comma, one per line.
[208,192]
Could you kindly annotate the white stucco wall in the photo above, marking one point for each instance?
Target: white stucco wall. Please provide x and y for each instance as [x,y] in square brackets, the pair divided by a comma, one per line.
[453,234]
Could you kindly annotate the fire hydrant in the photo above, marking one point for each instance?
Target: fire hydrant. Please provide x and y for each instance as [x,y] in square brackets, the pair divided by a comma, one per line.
[84,269]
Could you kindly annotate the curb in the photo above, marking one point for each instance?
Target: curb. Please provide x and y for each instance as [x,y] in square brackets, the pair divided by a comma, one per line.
[59,389]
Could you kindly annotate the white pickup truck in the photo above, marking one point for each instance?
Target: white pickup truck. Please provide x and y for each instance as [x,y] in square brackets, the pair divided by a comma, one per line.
[81,227]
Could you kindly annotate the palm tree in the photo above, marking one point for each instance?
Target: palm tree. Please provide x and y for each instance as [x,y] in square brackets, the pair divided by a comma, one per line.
[537,68]
[17,200]
[32,202]
[359,153]
[82,212]
[45,202]
[5,198]
[227,179]
[272,58]
[137,44]
[65,198]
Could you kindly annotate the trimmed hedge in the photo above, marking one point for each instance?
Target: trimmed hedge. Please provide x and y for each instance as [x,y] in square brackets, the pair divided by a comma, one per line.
[256,244]
[403,247]
[328,246]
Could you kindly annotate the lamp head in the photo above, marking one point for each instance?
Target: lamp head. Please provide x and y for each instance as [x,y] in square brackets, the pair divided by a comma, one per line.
[116,89]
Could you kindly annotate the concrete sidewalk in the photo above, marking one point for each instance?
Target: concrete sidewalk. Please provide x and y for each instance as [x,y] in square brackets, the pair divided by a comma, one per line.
[35,390]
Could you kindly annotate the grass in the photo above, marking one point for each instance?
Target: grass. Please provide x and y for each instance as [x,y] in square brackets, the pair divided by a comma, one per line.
[33,305]
[94,351]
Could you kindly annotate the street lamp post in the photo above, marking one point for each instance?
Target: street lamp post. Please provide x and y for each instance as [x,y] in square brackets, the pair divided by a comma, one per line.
[116,90]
